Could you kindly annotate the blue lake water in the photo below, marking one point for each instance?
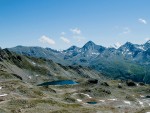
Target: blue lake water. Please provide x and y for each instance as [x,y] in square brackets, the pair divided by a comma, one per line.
[92,102]
[59,82]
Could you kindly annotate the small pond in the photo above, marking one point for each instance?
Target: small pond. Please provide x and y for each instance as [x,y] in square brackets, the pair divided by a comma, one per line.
[92,102]
[59,82]
[148,96]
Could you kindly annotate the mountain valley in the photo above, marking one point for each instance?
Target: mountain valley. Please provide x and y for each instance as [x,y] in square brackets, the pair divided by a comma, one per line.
[95,91]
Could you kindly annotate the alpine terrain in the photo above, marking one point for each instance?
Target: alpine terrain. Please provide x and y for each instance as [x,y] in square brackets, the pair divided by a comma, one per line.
[77,80]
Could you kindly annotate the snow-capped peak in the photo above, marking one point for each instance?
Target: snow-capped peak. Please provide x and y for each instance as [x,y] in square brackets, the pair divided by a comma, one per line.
[148,41]
[117,45]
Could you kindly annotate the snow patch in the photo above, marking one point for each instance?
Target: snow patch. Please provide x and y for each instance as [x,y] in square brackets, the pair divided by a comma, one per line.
[141,103]
[117,45]
[0,87]
[3,95]
[33,63]
[95,53]
[86,95]
[119,84]
[127,50]
[79,100]
[102,100]
[74,93]
[83,94]
[141,47]
[29,77]
[112,99]
[142,96]
[129,53]
[127,102]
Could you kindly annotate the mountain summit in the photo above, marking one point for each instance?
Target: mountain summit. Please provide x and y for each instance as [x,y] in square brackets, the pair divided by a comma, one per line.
[89,45]
[92,47]
[72,48]
[148,41]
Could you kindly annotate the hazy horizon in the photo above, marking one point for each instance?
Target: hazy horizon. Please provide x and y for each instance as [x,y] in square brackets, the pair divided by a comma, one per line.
[61,24]
[113,46]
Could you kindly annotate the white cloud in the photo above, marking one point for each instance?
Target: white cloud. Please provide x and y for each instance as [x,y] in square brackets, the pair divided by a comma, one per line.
[126,30]
[147,39]
[63,33]
[76,31]
[79,38]
[117,45]
[44,39]
[65,39]
[142,21]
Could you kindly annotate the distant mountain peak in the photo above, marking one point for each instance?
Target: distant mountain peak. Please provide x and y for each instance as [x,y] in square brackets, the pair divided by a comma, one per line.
[73,48]
[117,45]
[128,43]
[148,42]
[92,47]
[19,46]
[90,43]
[127,46]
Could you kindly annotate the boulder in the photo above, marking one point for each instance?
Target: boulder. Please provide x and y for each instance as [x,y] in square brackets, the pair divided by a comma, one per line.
[119,85]
[107,91]
[105,84]
[93,81]
[130,83]
[148,96]
[141,84]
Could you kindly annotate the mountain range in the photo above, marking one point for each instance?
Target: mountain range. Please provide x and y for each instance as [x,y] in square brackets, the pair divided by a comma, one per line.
[129,61]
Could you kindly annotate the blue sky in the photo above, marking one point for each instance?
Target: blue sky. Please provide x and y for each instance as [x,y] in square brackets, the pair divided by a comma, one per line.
[58,24]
